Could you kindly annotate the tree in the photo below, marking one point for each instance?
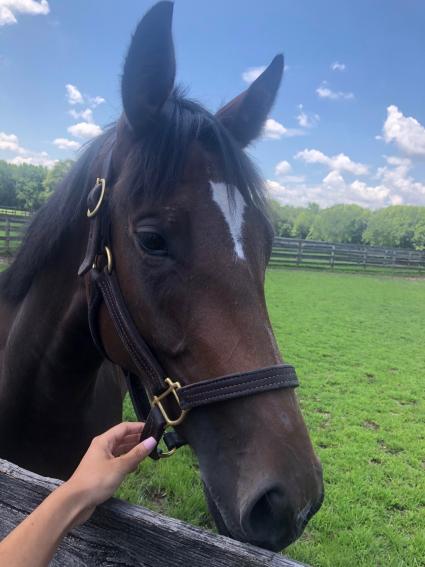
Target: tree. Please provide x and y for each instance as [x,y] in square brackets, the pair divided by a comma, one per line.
[54,177]
[304,221]
[29,185]
[340,223]
[283,218]
[419,235]
[7,185]
[395,226]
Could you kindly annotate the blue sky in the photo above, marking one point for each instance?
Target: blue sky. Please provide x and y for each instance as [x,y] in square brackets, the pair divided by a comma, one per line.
[349,122]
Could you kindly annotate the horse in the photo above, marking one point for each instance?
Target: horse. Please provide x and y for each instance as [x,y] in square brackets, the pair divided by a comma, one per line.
[190,239]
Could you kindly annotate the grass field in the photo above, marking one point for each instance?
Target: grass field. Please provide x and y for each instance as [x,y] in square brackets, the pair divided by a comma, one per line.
[358,343]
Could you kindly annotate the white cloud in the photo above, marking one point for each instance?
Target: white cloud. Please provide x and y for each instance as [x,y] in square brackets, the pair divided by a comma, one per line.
[10,143]
[10,8]
[307,119]
[95,101]
[65,144]
[85,130]
[396,174]
[323,91]
[391,184]
[339,162]
[282,168]
[336,66]
[73,94]
[405,131]
[395,160]
[274,130]
[252,73]
[86,115]
[334,179]
[293,178]
[40,159]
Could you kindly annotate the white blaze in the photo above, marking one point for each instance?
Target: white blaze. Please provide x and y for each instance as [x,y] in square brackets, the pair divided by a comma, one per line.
[233,213]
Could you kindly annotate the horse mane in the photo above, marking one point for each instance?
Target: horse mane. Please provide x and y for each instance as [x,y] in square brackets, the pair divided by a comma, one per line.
[154,165]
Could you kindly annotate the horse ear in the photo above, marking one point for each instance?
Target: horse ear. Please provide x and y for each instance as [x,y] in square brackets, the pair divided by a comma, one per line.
[245,115]
[150,67]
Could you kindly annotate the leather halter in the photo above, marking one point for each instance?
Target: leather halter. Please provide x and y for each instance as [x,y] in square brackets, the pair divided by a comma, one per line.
[158,400]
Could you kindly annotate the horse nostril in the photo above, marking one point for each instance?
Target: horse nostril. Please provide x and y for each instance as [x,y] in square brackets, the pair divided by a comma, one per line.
[269,521]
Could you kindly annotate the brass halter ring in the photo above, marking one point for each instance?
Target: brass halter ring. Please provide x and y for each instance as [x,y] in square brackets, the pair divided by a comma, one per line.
[166,454]
[109,260]
[93,213]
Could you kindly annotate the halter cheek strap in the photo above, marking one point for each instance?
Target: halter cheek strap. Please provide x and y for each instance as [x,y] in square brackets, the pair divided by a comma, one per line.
[158,400]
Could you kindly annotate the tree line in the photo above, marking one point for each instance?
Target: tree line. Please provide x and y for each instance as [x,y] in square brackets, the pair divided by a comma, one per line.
[27,187]
[397,226]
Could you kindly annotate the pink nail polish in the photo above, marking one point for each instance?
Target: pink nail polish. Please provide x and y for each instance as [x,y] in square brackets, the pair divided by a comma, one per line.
[149,443]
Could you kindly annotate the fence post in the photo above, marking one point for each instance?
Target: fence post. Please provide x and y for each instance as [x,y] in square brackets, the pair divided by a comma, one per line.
[332,256]
[7,235]
[300,244]
[364,258]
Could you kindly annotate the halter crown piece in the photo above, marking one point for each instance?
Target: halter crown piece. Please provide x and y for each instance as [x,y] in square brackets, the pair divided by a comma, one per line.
[161,402]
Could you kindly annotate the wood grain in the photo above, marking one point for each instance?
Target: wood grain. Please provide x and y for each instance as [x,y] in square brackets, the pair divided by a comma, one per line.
[125,535]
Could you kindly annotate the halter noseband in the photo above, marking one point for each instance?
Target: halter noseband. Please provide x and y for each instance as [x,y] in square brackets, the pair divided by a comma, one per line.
[151,391]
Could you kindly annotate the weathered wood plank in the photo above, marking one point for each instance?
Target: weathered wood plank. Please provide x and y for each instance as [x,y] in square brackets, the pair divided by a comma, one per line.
[125,535]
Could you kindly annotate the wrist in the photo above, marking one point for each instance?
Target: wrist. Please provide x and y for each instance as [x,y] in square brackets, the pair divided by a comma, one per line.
[76,501]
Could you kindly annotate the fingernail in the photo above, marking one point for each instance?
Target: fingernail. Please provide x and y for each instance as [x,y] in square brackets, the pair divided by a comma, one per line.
[149,443]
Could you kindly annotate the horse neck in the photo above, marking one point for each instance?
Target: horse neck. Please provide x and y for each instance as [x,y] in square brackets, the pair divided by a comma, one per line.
[49,341]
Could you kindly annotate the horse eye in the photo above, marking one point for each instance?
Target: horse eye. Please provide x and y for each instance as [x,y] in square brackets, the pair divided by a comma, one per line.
[152,243]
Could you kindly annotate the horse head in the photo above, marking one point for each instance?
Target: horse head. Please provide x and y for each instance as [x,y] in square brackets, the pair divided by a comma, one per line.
[191,239]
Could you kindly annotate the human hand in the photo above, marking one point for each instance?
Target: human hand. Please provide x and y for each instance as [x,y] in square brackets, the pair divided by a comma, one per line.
[110,457]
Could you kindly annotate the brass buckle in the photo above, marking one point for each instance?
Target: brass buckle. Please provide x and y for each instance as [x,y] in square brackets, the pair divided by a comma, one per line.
[93,213]
[173,388]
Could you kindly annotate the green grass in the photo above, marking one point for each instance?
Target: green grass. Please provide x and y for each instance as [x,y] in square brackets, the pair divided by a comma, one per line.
[357,342]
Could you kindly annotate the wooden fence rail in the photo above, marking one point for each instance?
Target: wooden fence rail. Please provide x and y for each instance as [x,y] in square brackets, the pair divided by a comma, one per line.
[11,231]
[317,254]
[121,534]
[286,252]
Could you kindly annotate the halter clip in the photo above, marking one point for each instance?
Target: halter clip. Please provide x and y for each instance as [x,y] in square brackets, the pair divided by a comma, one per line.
[173,388]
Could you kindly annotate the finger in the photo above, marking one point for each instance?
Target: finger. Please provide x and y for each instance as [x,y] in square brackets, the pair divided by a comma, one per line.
[128,440]
[131,438]
[131,459]
[117,433]
[124,448]
[130,443]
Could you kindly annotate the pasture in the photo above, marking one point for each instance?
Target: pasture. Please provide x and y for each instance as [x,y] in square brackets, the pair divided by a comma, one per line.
[357,342]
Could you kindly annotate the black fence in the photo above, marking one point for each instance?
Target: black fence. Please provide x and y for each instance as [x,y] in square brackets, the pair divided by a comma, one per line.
[287,252]
[11,231]
[293,252]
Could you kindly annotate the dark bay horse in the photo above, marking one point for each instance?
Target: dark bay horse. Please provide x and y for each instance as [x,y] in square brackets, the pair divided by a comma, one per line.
[190,241]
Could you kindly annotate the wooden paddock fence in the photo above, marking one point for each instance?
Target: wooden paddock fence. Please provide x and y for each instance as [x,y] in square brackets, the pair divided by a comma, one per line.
[287,252]
[121,534]
[297,253]
[11,231]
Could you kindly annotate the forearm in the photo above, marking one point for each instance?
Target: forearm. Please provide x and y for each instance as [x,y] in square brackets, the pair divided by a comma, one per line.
[34,542]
